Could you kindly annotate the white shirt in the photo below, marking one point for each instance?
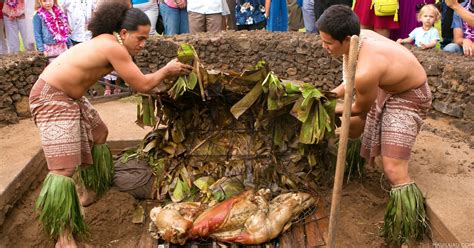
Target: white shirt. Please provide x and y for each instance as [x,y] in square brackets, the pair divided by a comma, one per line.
[205,7]
[78,12]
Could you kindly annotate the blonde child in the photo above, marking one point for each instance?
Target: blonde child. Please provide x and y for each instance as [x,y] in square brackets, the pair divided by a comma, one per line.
[426,36]
[51,28]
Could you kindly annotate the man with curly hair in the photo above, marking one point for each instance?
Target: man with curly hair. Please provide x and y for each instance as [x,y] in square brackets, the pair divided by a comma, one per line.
[72,133]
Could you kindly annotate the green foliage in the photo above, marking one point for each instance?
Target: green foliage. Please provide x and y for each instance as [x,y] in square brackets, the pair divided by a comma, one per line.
[59,207]
[405,216]
[98,177]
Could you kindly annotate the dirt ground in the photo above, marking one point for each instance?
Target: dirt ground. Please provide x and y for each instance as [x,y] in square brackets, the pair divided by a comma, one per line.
[361,212]
[110,219]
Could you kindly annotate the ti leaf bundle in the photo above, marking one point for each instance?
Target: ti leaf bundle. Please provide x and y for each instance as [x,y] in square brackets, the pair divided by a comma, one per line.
[251,129]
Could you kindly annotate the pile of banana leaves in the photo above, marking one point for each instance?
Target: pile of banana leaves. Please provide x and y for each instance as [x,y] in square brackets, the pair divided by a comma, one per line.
[245,127]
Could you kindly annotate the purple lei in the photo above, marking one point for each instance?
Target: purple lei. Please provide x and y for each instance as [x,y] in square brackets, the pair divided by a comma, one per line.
[12,3]
[57,24]
[468,32]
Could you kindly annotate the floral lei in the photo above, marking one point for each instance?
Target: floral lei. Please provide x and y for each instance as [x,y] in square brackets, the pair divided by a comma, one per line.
[468,31]
[57,23]
[12,3]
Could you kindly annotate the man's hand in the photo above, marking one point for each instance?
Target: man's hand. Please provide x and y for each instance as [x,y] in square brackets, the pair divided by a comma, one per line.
[339,109]
[468,47]
[451,3]
[175,68]
[181,4]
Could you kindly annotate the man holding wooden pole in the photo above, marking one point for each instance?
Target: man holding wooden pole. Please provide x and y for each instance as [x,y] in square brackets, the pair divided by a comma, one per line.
[392,97]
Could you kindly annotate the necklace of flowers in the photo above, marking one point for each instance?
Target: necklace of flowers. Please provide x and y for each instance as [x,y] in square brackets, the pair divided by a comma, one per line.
[119,39]
[12,3]
[56,23]
[468,33]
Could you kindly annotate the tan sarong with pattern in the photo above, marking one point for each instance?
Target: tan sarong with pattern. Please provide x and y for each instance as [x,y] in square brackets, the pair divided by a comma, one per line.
[67,126]
[393,123]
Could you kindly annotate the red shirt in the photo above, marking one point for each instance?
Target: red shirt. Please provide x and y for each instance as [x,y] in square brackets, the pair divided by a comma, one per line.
[1,12]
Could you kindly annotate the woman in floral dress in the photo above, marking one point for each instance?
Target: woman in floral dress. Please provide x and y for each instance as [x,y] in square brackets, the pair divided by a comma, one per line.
[251,14]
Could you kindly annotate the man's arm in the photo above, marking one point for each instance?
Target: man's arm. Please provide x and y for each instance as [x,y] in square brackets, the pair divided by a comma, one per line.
[340,90]
[464,13]
[267,8]
[406,40]
[458,36]
[130,73]
[37,30]
[366,87]
[429,45]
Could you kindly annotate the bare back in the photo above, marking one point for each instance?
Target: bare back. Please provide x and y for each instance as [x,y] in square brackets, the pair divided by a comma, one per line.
[80,67]
[388,64]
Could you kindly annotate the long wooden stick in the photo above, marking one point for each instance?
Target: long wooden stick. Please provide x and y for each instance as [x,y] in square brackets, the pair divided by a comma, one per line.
[344,135]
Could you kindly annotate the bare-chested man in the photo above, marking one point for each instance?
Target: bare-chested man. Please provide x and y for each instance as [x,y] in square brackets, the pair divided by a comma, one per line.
[71,130]
[392,93]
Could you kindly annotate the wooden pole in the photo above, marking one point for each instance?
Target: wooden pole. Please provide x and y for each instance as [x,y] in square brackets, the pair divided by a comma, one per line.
[344,136]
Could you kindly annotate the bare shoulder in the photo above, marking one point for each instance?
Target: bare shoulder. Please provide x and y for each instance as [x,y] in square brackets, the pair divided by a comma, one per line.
[369,69]
[109,45]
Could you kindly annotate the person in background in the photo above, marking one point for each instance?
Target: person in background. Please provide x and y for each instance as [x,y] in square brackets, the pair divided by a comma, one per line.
[251,14]
[407,17]
[466,15]
[321,5]
[368,19]
[230,20]
[78,12]
[3,41]
[278,16]
[205,16]
[446,22]
[225,14]
[150,8]
[51,29]
[463,33]
[112,79]
[15,23]
[30,11]
[175,17]
[295,15]
[308,16]
[426,36]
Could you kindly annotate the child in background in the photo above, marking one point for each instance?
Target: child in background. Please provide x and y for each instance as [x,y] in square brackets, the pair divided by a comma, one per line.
[110,79]
[426,36]
[51,29]
[3,41]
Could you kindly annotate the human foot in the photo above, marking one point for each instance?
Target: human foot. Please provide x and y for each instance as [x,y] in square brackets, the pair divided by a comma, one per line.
[66,240]
[107,92]
[87,197]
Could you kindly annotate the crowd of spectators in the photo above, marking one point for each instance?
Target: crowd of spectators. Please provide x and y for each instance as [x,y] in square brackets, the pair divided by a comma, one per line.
[53,25]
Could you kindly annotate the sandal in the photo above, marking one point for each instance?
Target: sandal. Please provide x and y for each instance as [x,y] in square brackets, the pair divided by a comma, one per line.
[107,92]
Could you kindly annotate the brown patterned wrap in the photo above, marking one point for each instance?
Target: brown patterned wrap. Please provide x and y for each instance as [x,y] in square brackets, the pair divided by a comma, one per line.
[67,126]
[393,123]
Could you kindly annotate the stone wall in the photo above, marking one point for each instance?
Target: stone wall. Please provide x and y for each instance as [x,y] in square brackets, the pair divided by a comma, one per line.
[291,55]
[18,73]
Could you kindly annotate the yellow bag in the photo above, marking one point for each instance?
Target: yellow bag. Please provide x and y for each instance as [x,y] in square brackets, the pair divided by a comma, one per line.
[385,8]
